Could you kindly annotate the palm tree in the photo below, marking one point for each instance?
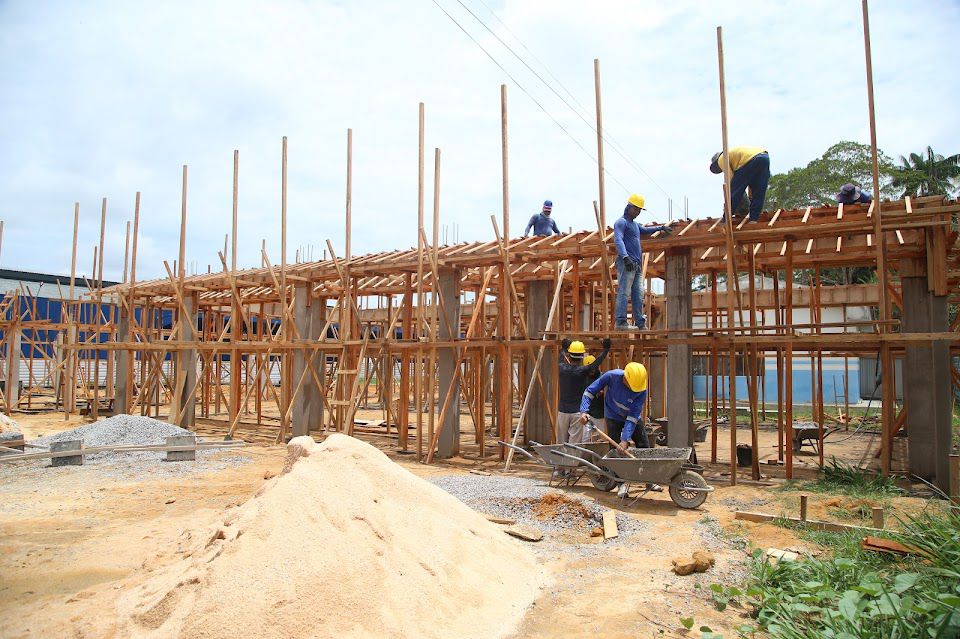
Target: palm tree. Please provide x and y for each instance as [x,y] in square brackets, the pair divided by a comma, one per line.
[927,173]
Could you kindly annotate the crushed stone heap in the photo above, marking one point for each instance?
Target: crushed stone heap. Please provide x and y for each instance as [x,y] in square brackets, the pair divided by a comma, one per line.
[345,543]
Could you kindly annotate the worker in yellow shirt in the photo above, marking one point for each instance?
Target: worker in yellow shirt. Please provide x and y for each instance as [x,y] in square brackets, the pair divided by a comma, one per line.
[751,168]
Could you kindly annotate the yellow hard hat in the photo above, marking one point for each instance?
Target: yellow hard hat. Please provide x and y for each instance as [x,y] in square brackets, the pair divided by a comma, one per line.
[576,348]
[637,200]
[589,359]
[635,375]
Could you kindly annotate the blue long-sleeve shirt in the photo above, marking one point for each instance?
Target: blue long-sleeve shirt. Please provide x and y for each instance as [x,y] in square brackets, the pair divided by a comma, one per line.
[541,225]
[626,235]
[619,402]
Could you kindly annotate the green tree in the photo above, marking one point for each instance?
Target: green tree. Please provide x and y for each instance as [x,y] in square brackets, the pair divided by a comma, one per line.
[818,182]
[927,173]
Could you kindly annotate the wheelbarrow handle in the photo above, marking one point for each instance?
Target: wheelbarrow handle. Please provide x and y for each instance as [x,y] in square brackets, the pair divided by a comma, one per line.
[523,451]
[583,450]
[589,465]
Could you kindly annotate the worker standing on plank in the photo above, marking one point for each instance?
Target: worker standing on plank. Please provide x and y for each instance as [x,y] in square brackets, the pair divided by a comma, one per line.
[541,223]
[625,394]
[626,235]
[575,375]
[852,194]
[751,168]
[596,405]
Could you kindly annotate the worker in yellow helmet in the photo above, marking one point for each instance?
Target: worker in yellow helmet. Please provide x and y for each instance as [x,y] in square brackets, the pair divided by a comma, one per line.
[625,394]
[626,235]
[751,168]
[575,375]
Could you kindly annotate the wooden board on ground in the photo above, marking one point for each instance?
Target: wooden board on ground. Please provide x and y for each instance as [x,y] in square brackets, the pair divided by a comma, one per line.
[879,544]
[829,526]
[526,533]
[610,525]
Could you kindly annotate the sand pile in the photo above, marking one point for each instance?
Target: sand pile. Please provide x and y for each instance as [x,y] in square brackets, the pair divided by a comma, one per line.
[8,425]
[344,544]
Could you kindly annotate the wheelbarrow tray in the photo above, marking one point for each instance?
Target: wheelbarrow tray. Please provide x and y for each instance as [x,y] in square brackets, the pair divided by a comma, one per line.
[652,465]
[547,452]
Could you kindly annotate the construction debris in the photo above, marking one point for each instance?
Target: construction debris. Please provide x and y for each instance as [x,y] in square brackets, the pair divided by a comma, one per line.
[527,533]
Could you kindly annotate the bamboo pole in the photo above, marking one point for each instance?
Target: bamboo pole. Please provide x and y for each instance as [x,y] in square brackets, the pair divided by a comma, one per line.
[418,368]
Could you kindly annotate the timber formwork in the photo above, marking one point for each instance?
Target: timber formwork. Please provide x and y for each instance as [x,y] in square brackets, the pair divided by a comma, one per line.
[424,330]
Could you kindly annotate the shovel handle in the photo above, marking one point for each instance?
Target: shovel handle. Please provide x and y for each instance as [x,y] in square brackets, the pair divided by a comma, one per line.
[610,441]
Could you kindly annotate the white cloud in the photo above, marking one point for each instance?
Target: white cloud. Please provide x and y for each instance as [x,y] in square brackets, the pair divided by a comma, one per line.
[108,98]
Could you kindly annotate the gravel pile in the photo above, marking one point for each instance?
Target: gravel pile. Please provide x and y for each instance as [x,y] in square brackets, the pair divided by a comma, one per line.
[121,430]
[523,500]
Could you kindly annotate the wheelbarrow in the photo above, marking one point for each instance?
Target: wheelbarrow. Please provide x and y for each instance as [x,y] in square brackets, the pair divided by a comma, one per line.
[566,469]
[809,433]
[667,466]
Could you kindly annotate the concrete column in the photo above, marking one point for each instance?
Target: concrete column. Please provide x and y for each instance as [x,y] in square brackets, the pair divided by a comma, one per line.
[538,426]
[299,414]
[656,389]
[926,382]
[124,369]
[12,387]
[318,317]
[449,443]
[185,396]
[679,356]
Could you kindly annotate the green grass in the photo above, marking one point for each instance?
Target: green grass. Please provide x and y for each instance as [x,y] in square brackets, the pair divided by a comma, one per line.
[855,594]
[837,477]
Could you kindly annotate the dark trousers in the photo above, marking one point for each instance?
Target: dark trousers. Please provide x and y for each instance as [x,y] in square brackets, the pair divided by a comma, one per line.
[615,429]
[756,175]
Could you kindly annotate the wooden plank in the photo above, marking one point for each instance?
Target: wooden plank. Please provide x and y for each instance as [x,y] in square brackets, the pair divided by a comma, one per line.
[829,526]
[610,524]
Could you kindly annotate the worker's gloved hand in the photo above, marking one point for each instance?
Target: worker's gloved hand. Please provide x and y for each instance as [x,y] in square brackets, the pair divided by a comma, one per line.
[584,418]
[606,343]
[666,230]
[565,344]
[623,446]
[629,264]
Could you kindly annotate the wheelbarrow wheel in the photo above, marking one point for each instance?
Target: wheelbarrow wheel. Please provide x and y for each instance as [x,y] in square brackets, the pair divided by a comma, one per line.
[688,498]
[602,483]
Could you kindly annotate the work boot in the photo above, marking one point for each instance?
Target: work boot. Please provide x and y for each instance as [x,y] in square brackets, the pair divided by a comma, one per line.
[642,324]
[625,327]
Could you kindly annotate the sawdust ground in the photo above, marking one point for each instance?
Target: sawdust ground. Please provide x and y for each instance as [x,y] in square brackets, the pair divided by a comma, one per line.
[64,547]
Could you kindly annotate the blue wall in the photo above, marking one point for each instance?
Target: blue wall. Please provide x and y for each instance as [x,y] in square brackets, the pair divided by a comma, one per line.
[802,386]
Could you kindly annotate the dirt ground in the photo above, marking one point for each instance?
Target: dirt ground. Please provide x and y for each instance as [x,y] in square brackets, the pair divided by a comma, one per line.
[71,541]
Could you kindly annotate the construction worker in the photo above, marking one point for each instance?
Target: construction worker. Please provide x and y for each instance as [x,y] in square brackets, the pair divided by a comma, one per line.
[625,393]
[541,223]
[751,168]
[626,235]
[852,194]
[596,404]
[575,375]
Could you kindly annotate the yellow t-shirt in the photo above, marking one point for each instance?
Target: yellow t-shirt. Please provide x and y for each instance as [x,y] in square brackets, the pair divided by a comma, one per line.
[740,155]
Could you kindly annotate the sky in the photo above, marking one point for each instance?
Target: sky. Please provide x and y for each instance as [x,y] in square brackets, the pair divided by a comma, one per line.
[107,98]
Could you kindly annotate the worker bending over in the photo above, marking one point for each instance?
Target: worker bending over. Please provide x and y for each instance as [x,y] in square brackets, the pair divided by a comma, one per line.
[625,393]
[626,235]
[852,194]
[541,223]
[575,375]
[751,168]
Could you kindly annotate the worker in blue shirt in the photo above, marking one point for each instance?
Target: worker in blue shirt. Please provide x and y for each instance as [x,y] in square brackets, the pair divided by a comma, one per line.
[624,396]
[626,235]
[541,223]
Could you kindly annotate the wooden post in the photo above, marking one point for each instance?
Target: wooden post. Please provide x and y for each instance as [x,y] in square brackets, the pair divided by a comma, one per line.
[803,507]
[887,375]
[602,223]
[418,375]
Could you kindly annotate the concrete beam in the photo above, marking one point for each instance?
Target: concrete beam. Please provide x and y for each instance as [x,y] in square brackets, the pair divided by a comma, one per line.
[183,408]
[124,370]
